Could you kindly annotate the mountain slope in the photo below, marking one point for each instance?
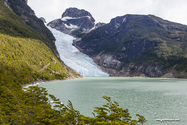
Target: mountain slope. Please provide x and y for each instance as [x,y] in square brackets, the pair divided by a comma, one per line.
[25,13]
[25,59]
[23,51]
[14,26]
[138,45]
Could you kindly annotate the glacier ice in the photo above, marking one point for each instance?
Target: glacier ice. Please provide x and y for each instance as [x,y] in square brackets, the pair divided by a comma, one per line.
[73,58]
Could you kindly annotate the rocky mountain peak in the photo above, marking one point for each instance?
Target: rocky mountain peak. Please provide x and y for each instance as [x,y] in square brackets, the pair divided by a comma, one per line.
[77,13]
[74,21]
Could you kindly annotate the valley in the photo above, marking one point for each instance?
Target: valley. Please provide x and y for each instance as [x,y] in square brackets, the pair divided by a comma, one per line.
[78,55]
[129,45]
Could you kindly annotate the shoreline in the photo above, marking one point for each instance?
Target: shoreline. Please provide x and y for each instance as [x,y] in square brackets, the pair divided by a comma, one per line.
[42,81]
[35,83]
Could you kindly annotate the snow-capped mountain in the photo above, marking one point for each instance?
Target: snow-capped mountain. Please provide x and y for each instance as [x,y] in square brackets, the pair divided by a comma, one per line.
[74,21]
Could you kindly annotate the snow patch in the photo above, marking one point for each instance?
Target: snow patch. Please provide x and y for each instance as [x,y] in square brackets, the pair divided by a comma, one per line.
[117,25]
[124,20]
[71,26]
[88,17]
[67,18]
[92,28]
[71,18]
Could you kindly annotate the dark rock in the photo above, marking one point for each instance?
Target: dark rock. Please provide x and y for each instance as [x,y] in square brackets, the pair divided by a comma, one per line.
[74,21]
[136,45]
[25,1]
[77,13]
[43,19]
[99,24]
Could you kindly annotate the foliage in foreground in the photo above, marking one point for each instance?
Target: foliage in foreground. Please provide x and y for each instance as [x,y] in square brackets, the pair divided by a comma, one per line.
[35,106]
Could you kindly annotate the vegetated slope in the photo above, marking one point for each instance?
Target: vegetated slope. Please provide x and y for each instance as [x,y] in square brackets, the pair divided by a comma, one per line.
[12,25]
[24,58]
[138,45]
[22,48]
[25,13]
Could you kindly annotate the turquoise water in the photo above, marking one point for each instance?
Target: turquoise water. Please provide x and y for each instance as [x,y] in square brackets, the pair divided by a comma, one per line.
[153,98]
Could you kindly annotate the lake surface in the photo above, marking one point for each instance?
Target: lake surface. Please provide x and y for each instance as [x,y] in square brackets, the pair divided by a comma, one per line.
[153,98]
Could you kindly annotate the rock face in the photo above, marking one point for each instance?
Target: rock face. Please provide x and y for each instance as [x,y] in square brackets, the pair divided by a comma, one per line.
[26,1]
[99,24]
[76,13]
[43,19]
[118,68]
[7,4]
[74,21]
[137,45]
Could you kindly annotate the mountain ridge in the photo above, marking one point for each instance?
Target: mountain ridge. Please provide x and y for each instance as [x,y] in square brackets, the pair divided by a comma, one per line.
[74,21]
[74,12]
[119,46]
[21,9]
[17,39]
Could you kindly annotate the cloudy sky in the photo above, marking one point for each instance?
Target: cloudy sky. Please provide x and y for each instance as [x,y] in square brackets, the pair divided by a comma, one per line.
[105,10]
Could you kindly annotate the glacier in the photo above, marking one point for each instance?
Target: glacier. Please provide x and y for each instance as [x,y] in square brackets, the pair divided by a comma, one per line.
[73,58]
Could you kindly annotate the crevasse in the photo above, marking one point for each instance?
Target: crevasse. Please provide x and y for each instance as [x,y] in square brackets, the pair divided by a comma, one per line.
[73,58]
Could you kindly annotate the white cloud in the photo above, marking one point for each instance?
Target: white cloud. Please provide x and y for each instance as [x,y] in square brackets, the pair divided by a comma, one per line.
[105,10]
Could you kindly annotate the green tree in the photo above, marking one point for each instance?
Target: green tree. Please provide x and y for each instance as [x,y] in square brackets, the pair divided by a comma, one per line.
[141,119]
[112,114]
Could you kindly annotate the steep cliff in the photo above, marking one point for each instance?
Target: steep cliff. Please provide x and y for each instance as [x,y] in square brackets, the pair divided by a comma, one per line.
[138,45]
